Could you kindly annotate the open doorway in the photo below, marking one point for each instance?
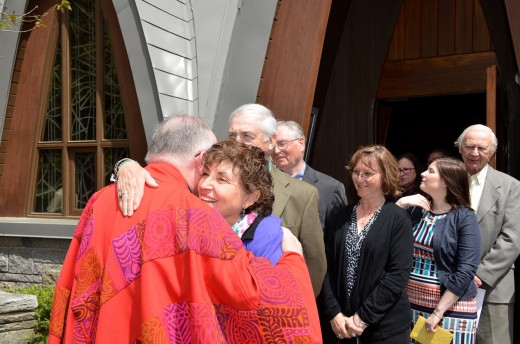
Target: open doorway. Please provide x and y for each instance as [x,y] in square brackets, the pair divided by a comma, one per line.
[417,125]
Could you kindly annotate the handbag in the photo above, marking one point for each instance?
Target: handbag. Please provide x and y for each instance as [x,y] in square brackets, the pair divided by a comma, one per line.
[419,333]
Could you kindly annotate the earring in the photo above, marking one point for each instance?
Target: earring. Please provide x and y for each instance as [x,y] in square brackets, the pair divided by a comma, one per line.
[243,212]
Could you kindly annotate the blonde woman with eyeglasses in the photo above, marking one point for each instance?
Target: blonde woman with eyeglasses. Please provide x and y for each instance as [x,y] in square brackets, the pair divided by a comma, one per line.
[369,257]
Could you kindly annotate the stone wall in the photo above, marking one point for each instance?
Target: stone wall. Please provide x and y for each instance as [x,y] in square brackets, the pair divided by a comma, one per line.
[28,261]
[17,317]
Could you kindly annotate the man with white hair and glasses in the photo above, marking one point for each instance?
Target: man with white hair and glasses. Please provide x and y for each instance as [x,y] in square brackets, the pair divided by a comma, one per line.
[494,197]
[288,156]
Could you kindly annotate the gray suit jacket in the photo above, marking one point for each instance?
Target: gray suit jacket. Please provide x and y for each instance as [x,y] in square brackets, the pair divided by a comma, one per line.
[296,203]
[498,215]
[332,196]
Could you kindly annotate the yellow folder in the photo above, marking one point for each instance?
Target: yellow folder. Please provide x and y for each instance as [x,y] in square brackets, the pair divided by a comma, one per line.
[419,333]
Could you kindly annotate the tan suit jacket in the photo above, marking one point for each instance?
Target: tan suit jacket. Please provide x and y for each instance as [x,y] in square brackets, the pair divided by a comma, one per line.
[296,203]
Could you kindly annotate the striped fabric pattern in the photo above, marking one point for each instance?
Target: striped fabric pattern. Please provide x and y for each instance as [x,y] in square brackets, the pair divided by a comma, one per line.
[424,289]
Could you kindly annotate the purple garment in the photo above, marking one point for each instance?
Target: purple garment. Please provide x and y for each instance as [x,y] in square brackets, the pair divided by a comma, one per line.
[265,240]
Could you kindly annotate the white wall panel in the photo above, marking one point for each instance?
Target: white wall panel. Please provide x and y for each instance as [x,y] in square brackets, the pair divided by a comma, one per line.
[214,21]
[204,57]
[168,41]
[175,64]
[181,9]
[245,60]
[175,86]
[175,106]
[167,22]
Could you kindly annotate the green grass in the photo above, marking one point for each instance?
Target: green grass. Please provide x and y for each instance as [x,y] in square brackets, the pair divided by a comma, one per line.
[44,294]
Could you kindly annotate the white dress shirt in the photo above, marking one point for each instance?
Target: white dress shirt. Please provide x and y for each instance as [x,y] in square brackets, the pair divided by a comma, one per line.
[476,187]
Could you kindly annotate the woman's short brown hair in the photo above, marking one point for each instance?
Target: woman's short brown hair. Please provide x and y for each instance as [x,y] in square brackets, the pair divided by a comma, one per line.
[251,164]
[385,161]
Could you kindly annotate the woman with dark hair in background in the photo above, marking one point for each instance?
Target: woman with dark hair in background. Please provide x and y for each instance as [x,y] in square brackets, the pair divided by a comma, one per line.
[409,180]
[369,258]
[447,251]
[409,174]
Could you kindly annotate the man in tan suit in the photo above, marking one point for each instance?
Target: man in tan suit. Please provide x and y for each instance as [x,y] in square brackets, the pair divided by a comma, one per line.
[296,202]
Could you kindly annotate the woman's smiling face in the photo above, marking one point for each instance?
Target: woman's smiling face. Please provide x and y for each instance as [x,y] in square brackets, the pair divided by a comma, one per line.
[220,188]
[367,180]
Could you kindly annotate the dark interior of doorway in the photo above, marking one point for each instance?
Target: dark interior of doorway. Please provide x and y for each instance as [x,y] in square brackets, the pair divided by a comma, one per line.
[417,125]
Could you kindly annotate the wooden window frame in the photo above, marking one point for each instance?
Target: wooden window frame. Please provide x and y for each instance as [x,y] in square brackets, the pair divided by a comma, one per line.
[18,180]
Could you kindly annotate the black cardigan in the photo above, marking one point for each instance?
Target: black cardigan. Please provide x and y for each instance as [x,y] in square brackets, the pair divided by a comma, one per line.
[378,294]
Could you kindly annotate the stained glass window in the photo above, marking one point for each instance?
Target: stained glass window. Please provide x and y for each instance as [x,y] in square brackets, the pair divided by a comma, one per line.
[84,131]
[83,70]
[53,120]
[49,187]
[114,117]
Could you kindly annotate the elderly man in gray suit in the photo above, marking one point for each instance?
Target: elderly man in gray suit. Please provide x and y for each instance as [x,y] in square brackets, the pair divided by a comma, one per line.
[288,156]
[495,197]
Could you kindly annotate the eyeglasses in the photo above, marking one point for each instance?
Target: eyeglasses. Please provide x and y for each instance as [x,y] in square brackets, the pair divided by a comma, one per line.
[406,170]
[365,176]
[284,144]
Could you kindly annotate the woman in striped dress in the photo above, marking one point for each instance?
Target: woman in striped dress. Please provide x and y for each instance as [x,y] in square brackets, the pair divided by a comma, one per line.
[446,252]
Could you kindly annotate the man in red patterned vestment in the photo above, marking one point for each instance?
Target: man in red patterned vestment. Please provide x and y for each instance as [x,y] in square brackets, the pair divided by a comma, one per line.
[175,272]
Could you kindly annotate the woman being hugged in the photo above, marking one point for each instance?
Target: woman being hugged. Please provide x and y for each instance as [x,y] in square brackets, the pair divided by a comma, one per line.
[369,257]
[447,251]
[236,181]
